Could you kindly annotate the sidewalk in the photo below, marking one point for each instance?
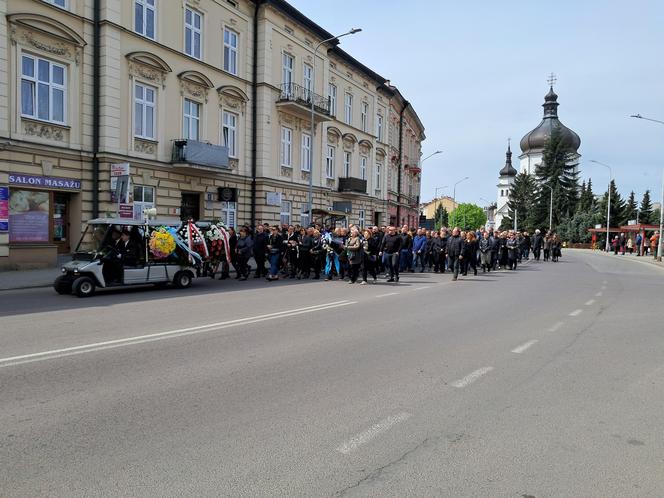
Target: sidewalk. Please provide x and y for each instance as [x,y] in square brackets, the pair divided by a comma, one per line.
[28,279]
[630,257]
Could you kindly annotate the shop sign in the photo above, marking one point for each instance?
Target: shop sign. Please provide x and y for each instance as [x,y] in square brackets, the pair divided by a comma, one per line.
[44,181]
[4,209]
[126,210]
[119,171]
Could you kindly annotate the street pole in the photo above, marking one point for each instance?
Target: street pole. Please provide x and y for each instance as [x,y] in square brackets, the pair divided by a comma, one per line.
[550,208]
[454,192]
[313,122]
[608,208]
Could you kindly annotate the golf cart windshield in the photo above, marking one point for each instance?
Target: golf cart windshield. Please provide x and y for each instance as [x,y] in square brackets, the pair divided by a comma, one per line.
[93,239]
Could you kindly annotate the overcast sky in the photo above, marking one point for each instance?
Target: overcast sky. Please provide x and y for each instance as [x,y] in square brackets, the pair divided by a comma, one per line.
[476,73]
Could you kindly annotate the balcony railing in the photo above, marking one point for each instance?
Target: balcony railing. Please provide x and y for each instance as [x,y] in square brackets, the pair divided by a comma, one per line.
[291,92]
[351,184]
[187,151]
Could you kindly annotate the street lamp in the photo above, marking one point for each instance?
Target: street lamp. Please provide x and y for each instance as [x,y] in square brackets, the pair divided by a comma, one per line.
[313,123]
[454,192]
[430,155]
[661,208]
[550,207]
[486,211]
[608,209]
[439,203]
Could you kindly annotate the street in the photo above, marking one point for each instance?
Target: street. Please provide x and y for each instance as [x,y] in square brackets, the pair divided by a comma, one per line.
[543,382]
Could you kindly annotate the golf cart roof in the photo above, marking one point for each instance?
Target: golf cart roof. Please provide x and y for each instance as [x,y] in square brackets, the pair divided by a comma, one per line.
[171,222]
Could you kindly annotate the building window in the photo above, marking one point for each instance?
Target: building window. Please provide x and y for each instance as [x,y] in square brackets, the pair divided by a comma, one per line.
[229,213]
[229,132]
[363,167]
[361,218]
[43,89]
[192,119]
[347,163]
[285,214]
[377,178]
[144,107]
[379,127]
[287,71]
[332,93]
[144,18]
[348,108]
[58,3]
[365,116]
[304,216]
[286,147]
[230,51]
[193,33]
[308,80]
[143,199]
[306,152]
[329,162]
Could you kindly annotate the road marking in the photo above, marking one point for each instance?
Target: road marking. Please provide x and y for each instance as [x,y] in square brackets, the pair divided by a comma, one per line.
[388,294]
[420,288]
[471,377]
[524,346]
[556,326]
[590,302]
[603,287]
[129,341]
[576,312]
[604,282]
[373,431]
[599,294]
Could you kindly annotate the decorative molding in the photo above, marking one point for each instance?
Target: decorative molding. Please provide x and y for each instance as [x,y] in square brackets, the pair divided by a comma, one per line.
[43,130]
[233,21]
[188,88]
[145,146]
[59,49]
[332,138]
[233,163]
[286,171]
[304,175]
[147,73]
[309,58]
[329,182]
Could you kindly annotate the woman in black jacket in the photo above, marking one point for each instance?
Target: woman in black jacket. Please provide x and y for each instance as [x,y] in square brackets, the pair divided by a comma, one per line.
[470,253]
[274,247]
[371,247]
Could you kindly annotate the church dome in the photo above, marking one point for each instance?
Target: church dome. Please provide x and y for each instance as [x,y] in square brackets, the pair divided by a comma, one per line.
[508,169]
[536,139]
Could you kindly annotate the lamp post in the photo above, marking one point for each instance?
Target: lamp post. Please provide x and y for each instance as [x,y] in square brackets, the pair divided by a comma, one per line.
[550,207]
[454,191]
[486,211]
[313,123]
[439,203]
[608,209]
[430,155]
[661,208]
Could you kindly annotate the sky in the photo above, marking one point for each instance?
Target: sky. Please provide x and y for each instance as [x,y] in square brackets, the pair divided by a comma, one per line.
[476,73]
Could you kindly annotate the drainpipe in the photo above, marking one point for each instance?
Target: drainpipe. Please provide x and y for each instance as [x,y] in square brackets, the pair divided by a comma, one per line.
[405,106]
[254,116]
[96,99]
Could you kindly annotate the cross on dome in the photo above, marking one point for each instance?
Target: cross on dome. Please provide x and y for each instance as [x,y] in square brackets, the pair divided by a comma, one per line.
[552,80]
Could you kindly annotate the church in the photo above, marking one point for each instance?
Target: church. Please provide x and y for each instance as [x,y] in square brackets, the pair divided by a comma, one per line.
[532,149]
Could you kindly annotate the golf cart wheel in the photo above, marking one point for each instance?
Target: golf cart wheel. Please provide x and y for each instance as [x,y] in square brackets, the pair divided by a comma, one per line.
[84,287]
[63,284]
[183,279]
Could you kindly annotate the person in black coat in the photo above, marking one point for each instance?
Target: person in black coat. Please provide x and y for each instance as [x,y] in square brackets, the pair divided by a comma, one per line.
[454,252]
[391,247]
[260,251]
[537,242]
[306,245]
[243,251]
[444,238]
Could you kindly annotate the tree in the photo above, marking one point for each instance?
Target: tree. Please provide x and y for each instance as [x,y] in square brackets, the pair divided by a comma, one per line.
[558,171]
[630,208]
[440,217]
[617,206]
[586,198]
[522,198]
[467,217]
[645,213]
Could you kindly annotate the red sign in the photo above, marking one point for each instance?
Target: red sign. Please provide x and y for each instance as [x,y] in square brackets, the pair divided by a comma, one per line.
[126,211]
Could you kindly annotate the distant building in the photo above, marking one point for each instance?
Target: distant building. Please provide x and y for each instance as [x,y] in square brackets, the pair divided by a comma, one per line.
[428,209]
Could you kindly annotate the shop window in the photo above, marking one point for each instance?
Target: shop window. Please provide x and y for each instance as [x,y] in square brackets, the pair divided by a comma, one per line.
[43,89]
[285,215]
[229,214]
[143,199]
[361,218]
[29,216]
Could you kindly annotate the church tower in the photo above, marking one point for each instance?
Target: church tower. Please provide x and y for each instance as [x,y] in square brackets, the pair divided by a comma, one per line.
[505,181]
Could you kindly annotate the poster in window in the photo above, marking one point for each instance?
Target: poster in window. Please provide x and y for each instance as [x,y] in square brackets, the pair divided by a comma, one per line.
[29,216]
[4,209]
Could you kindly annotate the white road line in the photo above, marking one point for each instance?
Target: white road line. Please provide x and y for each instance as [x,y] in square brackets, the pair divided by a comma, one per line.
[524,346]
[129,341]
[388,294]
[373,431]
[603,287]
[556,326]
[576,312]
[420,288]
[590,302]
[471,377]
[599,294]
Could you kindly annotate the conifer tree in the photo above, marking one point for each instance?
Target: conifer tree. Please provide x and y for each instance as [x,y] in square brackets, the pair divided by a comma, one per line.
[645,213]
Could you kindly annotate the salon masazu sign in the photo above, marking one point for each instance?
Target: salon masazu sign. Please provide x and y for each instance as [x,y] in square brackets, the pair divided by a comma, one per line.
[44,181]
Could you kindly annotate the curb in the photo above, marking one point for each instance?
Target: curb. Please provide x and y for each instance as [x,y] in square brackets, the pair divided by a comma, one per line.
[644,260]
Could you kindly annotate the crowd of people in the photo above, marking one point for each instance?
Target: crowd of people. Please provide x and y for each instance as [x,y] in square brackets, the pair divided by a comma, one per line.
[641,245]
[360,255]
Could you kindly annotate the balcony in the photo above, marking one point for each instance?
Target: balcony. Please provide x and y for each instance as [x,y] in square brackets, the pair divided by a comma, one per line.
[351,184]
[191,154]
[297,100]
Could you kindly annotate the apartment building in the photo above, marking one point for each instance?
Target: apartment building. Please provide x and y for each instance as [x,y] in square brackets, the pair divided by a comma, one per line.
[205,105]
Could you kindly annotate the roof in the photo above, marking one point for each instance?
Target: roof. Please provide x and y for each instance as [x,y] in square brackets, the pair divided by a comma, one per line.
[133,223]
[299,17]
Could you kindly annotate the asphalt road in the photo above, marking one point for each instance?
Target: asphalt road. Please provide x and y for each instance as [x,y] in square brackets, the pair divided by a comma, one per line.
[544,382]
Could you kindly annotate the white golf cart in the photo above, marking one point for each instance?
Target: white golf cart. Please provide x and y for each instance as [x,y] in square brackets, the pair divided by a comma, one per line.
[96,262]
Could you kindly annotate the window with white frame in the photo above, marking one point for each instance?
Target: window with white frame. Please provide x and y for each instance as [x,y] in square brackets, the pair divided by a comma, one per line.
[144,111]
[332,93]
[145,13]
[377,177]
[361,218]
[193,33]
[229,132]
[308,79]
[285,214]
[287,62]
[143,199]
[329,162]
[192,120]
[304,215]
[230,51]
[286,147]
[379,127]
[348,157]
[58,3]
[43,89]
[306,152]
[348,108]
[365,116]
[229,213]
[363,167]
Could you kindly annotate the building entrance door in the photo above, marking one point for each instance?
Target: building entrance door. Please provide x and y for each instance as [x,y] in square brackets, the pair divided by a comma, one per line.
[60,220]
[190,207]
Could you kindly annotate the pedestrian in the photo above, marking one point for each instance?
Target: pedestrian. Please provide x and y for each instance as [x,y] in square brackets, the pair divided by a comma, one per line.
[260,251]
[354,252]
[317,253]
[244,249]
[485,252]
[512,246]
[305,256]
[406,251]
[390,249]
[454,252]
[555,248]
[370,250]
[537,244]
[274,247]
[469,252]
[419,250]
[639,244]
[630,246]
[547,246]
